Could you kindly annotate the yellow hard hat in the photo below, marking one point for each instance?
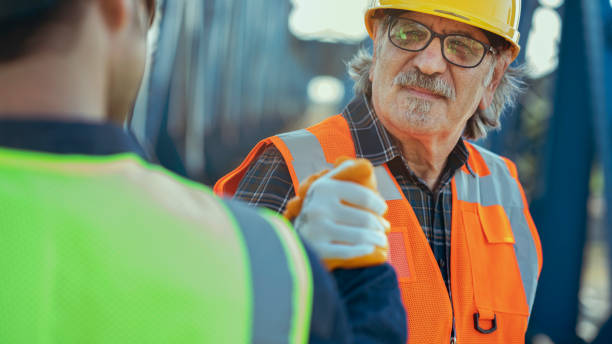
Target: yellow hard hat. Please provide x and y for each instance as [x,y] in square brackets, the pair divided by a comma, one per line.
[500,17]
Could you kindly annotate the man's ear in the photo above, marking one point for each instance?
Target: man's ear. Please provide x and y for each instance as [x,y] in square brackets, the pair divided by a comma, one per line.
[503,61]
[115,13]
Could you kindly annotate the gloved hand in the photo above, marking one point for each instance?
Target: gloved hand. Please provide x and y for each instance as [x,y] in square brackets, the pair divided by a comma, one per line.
[342,220]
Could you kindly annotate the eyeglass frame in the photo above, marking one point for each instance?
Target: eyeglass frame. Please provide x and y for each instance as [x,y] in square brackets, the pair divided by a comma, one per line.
[488,48]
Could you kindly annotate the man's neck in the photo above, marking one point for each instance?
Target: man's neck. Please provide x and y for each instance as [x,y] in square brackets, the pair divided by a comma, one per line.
[53,87]
[427,156]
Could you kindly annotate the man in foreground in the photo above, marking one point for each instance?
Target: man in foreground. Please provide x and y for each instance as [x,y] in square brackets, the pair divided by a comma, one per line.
[462,240]
[100,246]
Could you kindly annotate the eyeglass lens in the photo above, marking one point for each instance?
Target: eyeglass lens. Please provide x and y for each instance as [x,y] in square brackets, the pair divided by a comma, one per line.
[457,49]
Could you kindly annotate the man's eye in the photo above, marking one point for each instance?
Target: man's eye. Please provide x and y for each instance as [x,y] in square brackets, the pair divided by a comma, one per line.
[456,46]
[414,35]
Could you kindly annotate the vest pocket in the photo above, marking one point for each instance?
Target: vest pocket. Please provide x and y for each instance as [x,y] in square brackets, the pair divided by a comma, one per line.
[496,277]
[496,225]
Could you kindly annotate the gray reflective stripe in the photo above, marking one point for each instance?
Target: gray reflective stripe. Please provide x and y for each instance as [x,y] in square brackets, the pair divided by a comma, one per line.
[299,265]
[386,186]
[272,280]
[500,188]
[308,155]
[309,158]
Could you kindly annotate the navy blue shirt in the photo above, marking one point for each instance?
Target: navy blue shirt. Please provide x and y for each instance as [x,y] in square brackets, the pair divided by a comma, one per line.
[356,306]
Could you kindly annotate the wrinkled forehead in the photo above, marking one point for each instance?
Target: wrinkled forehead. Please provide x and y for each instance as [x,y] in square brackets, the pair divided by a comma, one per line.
[444,25]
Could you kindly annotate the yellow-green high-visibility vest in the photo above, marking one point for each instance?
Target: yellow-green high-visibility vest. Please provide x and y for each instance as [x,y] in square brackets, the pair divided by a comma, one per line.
[114,250]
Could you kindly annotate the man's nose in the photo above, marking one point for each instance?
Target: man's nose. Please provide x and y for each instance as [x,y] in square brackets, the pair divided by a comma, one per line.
[430,60]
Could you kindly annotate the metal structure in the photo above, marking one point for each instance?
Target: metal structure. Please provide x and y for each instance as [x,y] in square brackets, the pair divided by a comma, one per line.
[602,65]
[570,141]
[222,76]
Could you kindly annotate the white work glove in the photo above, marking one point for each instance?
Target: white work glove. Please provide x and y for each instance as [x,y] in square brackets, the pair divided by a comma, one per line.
[337,230]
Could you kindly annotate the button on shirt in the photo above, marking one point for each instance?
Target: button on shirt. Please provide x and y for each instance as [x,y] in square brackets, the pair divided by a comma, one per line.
[268,182]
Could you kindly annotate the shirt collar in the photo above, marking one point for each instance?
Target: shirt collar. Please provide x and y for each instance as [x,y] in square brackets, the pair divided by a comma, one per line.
[372,141]
[67,137]
[375,143]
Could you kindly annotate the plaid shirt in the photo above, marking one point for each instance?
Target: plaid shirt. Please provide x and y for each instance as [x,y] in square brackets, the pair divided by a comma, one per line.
[268,182]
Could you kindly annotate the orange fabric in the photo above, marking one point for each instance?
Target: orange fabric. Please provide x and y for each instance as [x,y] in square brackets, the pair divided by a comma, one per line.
[476,162]
[496,224]
[421,285]
[490,244]
[228,184]
[482,242]
[335,138]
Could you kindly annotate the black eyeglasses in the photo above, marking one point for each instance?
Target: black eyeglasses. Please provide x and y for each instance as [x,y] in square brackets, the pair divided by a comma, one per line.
[460,50]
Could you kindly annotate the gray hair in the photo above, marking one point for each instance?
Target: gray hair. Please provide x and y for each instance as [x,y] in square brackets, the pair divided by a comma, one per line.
[482,121]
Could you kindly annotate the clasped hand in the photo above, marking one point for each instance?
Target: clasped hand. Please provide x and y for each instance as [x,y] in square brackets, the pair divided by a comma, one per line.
[341,219]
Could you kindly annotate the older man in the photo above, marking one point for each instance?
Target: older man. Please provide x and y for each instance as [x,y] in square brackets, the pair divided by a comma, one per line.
[462,240]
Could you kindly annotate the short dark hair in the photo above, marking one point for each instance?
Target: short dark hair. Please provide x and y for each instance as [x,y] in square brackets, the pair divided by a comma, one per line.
[23,35]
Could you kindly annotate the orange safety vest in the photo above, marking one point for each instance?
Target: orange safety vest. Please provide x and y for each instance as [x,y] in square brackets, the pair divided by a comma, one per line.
[496,256]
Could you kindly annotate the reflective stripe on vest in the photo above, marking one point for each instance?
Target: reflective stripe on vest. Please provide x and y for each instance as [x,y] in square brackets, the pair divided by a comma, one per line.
[303,144]
[311,159]
[282,289]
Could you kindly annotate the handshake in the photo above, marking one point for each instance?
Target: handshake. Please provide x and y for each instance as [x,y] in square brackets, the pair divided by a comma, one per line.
[340,215]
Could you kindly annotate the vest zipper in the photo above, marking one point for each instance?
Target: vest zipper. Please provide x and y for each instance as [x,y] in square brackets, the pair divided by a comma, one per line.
[450,295]
[454,331]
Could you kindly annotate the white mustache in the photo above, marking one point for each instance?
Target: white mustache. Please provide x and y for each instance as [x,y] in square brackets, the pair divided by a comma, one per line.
[435,85]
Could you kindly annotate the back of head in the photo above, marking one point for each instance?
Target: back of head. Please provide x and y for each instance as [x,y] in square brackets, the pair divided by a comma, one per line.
[71,57]
[24,25]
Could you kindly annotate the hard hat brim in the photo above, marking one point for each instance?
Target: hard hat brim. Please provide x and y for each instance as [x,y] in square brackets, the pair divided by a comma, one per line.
[503,30]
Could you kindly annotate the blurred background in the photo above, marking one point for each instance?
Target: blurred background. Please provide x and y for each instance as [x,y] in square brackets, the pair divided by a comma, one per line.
[226,73]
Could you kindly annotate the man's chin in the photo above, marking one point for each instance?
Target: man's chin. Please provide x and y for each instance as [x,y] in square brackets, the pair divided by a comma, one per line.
[417,105]
[421,122]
